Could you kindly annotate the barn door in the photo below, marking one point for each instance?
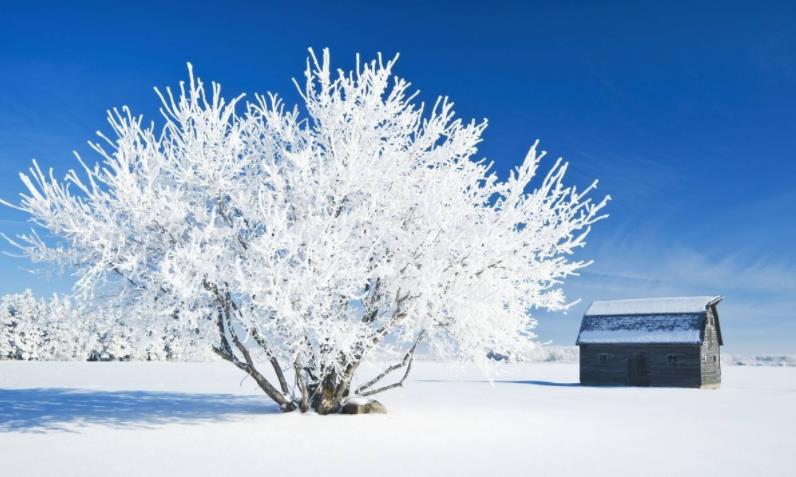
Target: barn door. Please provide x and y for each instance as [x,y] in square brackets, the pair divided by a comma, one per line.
[638,373]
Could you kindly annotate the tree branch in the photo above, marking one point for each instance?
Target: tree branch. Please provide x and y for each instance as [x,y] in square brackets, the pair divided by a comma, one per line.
[225,328]
[284,403]
[280,375]
[393,385]
[407,361]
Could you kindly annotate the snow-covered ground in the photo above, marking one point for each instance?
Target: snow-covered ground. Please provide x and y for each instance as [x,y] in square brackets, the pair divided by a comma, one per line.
[199,419]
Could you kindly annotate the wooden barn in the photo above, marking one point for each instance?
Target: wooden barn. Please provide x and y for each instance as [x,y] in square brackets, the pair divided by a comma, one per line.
[651,342]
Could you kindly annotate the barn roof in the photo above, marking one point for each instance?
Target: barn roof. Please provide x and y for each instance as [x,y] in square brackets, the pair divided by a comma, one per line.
[657,306]
[679,320]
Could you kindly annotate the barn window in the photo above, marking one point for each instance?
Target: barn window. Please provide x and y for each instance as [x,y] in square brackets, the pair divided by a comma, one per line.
[603,357]
[714,358]
[672,358]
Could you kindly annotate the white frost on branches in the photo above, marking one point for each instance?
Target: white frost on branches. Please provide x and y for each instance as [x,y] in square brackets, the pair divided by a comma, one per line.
[313,236]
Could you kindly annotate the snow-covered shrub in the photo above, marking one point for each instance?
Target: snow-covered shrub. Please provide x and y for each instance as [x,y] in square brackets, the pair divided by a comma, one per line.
[552,353]
[308,238]
[759,360]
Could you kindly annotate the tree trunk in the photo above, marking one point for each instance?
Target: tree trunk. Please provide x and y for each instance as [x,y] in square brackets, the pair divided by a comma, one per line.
[325,395]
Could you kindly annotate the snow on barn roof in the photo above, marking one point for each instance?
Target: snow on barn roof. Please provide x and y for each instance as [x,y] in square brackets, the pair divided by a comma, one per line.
[647,320]
[642,329]
[648,306]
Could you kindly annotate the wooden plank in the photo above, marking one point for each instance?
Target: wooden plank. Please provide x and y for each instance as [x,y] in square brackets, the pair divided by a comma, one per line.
[610,364]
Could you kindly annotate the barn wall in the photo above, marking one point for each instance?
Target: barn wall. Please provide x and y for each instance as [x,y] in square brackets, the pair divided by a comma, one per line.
[710,353]
[661,371]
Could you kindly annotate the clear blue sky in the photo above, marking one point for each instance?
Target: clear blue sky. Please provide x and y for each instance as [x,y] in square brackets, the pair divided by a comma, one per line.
[685,112]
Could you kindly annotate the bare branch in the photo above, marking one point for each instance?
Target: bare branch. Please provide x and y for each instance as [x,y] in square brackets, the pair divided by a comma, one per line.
[407,361]
[226,328]
[280,375]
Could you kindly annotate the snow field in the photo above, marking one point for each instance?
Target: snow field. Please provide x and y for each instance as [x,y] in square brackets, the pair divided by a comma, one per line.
[200,419]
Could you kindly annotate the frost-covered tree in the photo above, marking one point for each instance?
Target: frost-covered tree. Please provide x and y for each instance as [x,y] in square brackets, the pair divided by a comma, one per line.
[38,329]
[305,239]
[66,335]
[20,334]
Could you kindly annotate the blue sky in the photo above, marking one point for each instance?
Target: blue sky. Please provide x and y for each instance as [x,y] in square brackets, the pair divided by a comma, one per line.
[685,112]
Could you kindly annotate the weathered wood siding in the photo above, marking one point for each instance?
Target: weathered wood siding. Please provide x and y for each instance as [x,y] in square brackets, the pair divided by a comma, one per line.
[641,364]
[709,351]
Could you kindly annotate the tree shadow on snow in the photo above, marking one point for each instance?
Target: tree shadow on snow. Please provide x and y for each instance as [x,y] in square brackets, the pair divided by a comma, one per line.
[54,409]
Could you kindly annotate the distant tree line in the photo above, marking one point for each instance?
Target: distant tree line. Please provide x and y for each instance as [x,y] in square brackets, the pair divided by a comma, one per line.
[56,329]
